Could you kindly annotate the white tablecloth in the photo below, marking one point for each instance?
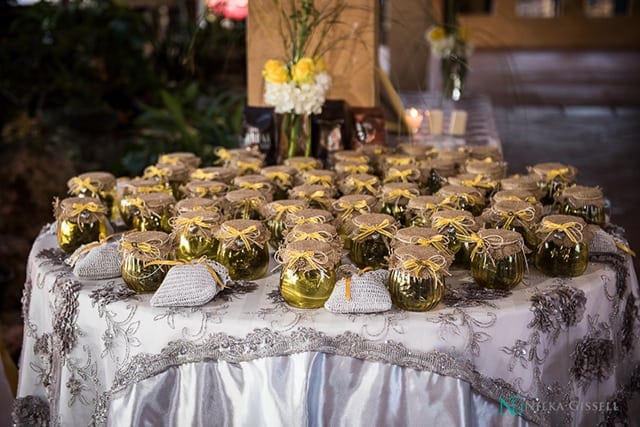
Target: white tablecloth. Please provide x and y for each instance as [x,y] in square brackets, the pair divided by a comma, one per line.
[552,351]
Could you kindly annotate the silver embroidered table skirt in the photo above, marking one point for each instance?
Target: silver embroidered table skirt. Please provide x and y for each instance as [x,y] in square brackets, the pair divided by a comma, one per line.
[551,352]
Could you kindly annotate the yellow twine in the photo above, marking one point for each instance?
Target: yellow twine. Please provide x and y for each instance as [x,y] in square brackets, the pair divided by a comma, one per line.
[223,154]
[361,206]
[77,184]
[92,207]
[479,183]
[526,215]
[248,166]
[201,175]
[326,180]
[247,235]
[200,261]
[401,192]
[555,173]
[460,223]
[144,248]
[367,230]
[572,229]
[438,242]
[626,249]
[174,161]
[362,185]
[398,161]
[284,209]
[415,267]
[402,175]
[356,168]
[315,260]
[154,171]
[196,221]
[283,177]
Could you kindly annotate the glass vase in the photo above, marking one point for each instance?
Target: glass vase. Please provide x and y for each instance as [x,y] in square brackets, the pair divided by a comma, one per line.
[295,136]
[454,70]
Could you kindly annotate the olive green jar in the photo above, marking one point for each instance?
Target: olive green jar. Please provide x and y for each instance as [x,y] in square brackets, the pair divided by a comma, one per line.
[552,179]
[498,260]
[324,232]
[197,204]
[275,216]
[138,250]
[462,197]
[395,198]
[423,236]
[194,234]
[127,201]
[370,239]
[563,250]
[100,185]
[522,217]
[360,184]
[435,174]
[585,202]
[281,178]
[416,279]
[243,248]
[346,207]
[243,204]
[206,189]
[80,220]
[223,174]
[317,196]
[308,273]
[457,225]
[420,209]
[152,212]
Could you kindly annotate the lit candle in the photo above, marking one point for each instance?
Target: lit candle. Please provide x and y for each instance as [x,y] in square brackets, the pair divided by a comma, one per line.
[435,120]
[458,124]
[413,118]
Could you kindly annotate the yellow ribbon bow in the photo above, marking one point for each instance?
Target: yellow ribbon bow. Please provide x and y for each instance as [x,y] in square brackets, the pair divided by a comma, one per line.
[356,168]
[77,184]
[173,161]
[438,242]
[284,209]
[247,235]
[526,216]
[459,198]
[257,186]
[201,175]
[315,260]
[401,174]
[555,173]
[198,222]
[245,167]
[283,177]
[399,161]
[415,267]
[360,206]
[477,242]
[144,248]
[460,223]
[401,192]
[571,229]
[156,172]
[361,185]
[479,182]
[200,261]
[223,154]
[91,207]
[367,230]
[326,180]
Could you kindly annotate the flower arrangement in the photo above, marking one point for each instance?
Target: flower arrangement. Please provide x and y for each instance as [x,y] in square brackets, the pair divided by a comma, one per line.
[297,86]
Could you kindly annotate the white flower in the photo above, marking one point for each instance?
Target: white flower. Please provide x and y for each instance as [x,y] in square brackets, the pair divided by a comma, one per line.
[306,98]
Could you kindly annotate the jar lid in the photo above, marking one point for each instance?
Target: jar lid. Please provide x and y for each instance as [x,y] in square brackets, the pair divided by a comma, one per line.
[564,230]
[309,215]
[140,186]
[451,194]
[360,183]
[354,203]
[416,150]
[478,181]
[444,167]
[324,232]
[350,156]
[242,196]
[280,174]
[550,171]
[307,255]
[352,168]
[167,171]
[483,152]
[462,221]
[490,169]
[499,243]
[578,196]
[401,173]
[458,157]
[243,231]
[214,173]
[313,193]
[205,188]
[303,163]
[517,195]
[425,203]
[399,191]
[146,245]
[397,160]
[527,182]
[317,177]
[202,223]
[188,159]
[514,212]
[246,165]
[418,261]
[157,202]
[280,209]
[364,225]
[253,182]
[425,236]
[79,209]
[197,204]
[91,181]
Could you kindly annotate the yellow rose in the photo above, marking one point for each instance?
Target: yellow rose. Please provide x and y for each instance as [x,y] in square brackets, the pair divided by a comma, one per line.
[275,71]
[437,34]
[303,71]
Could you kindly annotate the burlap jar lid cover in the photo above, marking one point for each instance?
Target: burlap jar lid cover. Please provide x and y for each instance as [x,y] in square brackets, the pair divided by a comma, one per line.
[373,150]
[476,180]
[489,168]
[512,212]
[354,203]
[79,210]
[425,203]
[397,160]
[245,196]
[215,173]
[188,159]
[280,209]
[197,204]
[206,188]
[360,182]
[402,173]
[301,163]
[324,232]
[565,230]
[578,196]
[459,156]
[94,182]
[399,192]
[312,192]
[307,255]
[253,182]
[167,171]
[318,176]
[419,151]
[228,154]
[498,243]
[349,168]
[199,223]
[552,171]
[141,186]
[146,245]
[461,220]
[528,182]
[444,167]
[236,232]
[424,236]
[280,174]
[454,193]
[246,164]
[365,225]
[157,202]
[482,152]
[351,156]
[419,261]
[517,195]
[309,215]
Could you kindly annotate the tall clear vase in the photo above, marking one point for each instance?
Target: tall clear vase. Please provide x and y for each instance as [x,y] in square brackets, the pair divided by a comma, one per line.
[294,138]
[454,72]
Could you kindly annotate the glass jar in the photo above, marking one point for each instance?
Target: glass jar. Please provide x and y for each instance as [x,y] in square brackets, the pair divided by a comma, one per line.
[522,217]
[462,197]
[325,232]
[80,220]
[458,157]
[243,248]
[523,183]
[409,173]
[190,160]
[317,196]
[243,204]
[416,279]
[100,185]
[435,174]
[370,237]
[255,182]
[214,173]
[498,260]
[246,165]
[194,233]
[457,225]
[346,207]
[585,202]
[152,212]
[172,176]
[420,209]
[308,273]
[323,177]
[552,179]
[486,186]
[205,189]
[493,170]
[281,178]
[197,204]
[395,198]
[275,218]
[563,250]
[140,248]
[360,184]
[423,236]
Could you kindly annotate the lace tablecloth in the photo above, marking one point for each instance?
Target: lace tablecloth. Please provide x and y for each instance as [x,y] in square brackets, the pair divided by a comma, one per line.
[552,351]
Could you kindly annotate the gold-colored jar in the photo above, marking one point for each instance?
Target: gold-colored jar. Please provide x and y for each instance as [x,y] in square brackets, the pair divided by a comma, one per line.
[282,179]
[80,220]
[190,160]
[194,234]
[462,197]
[152,212]
[243,204]
[308,273]
[214,173]
[395,198]
[436,173]
[196,204]
[346,207]
[522,217]
[498,260]
[416,279]
[101,185]
[552,179]
[420,209]
[457,225]
[317,196]
[205,189]
[173,176]
[138,249]
[324,232]
[360,184]
[563,250]
[585,202]
[423,236]
[275,218]
[129,198]
[371,236]
[243,248]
